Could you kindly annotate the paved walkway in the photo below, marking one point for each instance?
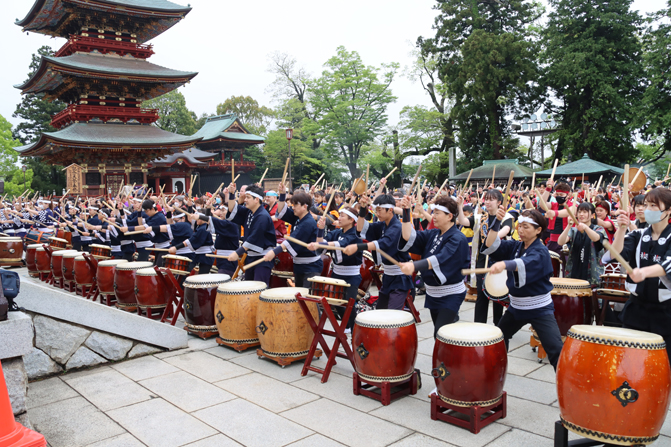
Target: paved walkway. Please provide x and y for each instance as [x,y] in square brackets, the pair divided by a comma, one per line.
[211,396]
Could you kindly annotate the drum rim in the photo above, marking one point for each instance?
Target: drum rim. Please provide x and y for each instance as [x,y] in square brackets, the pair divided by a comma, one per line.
[69,255]
[181,258]
[382,325]
[195,284]
[651,346]
[35,246]
[259,287]
[112,262]
[57,239]
[494,339]
[278,299]
[598,435]
[387,378]
[329,281]
[11,239]
[63,252]
[463,403]
[135,267]
[148,271]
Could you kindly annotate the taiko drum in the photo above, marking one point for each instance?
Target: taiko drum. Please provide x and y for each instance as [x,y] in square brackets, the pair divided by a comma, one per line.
[178,265]
[105,275]
[572,299]
[613,384]
[101,251]
[235,311]
[124,283]
[152,291]
[30,259]
[366,272]
[68,264]
[57,262]
[57,243]
[200,295]
[84,271]
[36,236]
[385,345]
[469,364]
[283,270]
[281,325]
[42,260]
[11,250]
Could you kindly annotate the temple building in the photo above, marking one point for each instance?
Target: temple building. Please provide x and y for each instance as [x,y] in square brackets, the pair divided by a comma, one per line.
[102,73]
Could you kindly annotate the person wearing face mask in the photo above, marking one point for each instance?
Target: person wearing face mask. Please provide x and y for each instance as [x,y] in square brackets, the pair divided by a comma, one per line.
[648,251]
[585,248]
[603,219]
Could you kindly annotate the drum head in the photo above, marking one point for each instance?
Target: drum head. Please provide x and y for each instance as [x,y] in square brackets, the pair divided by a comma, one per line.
[616,336]
[287,294]
[495,284]
[237,287]
[554,254]
[332,281]
[34,246]
[134,265]
[58,239]
[80,258]
[72,254]
[384,318]
[63,252]
[180,258]
[109,262]
[206,281]
[470,334]
[104,247]
[10,239]
[146,272]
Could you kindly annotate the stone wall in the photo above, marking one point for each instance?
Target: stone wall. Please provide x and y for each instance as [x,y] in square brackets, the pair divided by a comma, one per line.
[62,346]
[16,340]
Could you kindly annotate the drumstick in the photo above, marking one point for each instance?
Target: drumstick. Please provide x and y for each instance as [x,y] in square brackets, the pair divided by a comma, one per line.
[131,233]
[393,170]
[321,246]
[389,258]
[554,168]
[319,179]
[441,187]
[158,249]
[667,170]
[236,178]
[478,271]
[542,201]
[618,256]
[209,255]
[286,167]
[263,176]
[367,172]
[328,205]
[506,197]
[625,190]
[493,174]
[414,180]
[241,263]
[253,264]
[232,171]
[596,190]
[465,184]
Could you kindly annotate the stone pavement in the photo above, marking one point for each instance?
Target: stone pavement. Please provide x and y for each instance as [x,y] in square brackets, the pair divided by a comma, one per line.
[212,396]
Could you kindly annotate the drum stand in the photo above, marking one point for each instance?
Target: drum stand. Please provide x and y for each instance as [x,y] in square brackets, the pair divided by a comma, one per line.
[92,293]
[561,439]
[411,307]
[440,410]
[177,301]
[338,332]
[385,395]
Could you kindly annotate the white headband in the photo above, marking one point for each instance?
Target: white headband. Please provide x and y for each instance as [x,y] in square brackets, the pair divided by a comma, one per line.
[384,206]
[441,208]
[350,214]
[526,219]
[253,194]
[177,216]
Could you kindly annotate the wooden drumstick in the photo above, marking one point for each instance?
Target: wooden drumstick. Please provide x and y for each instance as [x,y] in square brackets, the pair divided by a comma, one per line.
[131,233]
[506,197]
[319,179]
[636,176]
[241,264]
[625,190]
[414,180]
[303,244]
[157,249]
[389,258]
[232,171]
[394,170]
[253,264]
[554,168]
[209,255]
[618,256]
[286,168]
[263,176]
[478,271]
[542,201]
[236,178]
[441,187]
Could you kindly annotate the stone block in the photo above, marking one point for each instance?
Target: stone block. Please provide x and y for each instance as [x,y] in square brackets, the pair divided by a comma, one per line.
[84,357]
[16,334]
[24,420]
[187,392]
[48,391]
[215,441]
[57,339]
[38,364]
[17,383]
[109,389]
[207,367]
[111,347]
[125,440]
[419,440]
[141,349]
[144,368]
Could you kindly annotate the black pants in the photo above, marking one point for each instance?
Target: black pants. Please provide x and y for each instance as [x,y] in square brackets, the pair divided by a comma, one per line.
[142,254]
[351,293]
[546,328]
[441,317]
[482,305]
[395,299]
[128,255]
[76,243]
[301,279]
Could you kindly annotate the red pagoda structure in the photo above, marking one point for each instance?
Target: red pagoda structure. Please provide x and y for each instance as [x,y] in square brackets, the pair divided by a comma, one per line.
[103,74]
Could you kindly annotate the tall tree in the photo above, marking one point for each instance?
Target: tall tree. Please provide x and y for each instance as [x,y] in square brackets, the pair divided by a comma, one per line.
[256,118]
[174,115]
[593,52]
[9,169]
[486,54]
[351,101]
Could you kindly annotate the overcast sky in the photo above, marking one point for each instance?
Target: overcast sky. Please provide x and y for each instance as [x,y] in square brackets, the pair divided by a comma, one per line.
[229,42]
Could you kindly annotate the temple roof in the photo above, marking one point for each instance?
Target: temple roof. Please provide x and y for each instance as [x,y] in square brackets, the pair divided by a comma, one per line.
[192,156]
[149,18]
[112,136]
[53,71]
[226,127]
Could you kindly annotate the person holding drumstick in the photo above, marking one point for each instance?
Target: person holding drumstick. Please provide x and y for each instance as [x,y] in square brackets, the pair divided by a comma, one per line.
[345,267]
[444,252]
[529,268]
[307,263]
[585,248]
[648,250]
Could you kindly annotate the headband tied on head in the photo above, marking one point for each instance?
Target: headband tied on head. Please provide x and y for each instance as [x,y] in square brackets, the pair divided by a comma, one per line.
[253,194]
[384,206]
[526,219]
[350,214]
[441,208]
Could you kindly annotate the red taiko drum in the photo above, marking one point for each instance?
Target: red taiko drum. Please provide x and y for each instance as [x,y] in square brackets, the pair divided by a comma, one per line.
[124,283]
[152,291]
[326,265]
[57,262]
[30,259]
[328,287]
[572,299]
[178,265]
[613,384]
[68,264]
[101,251]
[42,260]
[613,281]
[84,272]
[200,296]
[556,264]
[105,275]
[469,364]
[57,243]
[284,269]
[11,250]
[67,235]
[385,345]
[366,272]
[36,236]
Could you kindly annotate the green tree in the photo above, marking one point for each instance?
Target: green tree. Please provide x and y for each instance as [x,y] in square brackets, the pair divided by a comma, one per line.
[9,167]
[593,52]
[305,167]
[256,118]
[486,55]
[656,110]
[351,101]
[174,115]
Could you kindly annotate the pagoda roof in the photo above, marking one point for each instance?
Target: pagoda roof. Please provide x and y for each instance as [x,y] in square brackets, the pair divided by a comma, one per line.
[53,72]
[58,18]
[583,166]
[226,127]
[108,136]
[191,156]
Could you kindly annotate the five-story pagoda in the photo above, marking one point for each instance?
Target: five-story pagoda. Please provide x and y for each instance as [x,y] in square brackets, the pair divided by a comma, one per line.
[102,73]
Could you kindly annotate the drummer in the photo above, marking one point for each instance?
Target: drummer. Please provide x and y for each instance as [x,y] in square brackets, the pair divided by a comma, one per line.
[178,231]
[201,244]
[307,263]
[444,253]
[648,251]
[585,248]
[346,268]
[529,270]
[135,220]
[154,218]
[385,235]
[227,238]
